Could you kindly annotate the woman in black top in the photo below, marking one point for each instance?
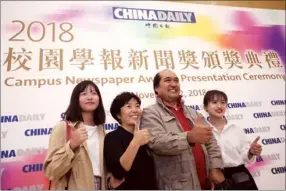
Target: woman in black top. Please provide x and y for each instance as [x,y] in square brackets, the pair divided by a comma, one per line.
[125,149]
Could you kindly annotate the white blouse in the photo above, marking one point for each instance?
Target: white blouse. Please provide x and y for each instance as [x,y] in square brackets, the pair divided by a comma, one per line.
[234,145]
[93,148]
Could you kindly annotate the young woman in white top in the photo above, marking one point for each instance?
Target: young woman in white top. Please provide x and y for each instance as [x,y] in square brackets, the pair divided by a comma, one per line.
[76,162]
[236,150]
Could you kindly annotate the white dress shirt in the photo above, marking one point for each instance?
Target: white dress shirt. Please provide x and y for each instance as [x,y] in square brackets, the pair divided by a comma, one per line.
[234,145]
[93,148]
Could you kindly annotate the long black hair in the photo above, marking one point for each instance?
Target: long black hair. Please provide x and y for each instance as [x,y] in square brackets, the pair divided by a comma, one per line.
[74,111]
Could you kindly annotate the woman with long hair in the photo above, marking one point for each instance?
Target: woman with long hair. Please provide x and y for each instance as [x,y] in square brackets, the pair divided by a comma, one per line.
[75,154]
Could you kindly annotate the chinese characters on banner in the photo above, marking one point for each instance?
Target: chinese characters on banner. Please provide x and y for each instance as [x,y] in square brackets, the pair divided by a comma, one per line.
[137,59]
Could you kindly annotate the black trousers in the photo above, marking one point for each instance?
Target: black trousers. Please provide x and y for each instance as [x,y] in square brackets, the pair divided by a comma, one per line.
[248,185]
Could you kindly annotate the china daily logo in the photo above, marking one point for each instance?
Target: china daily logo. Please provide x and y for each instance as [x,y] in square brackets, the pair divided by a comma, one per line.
[153,15]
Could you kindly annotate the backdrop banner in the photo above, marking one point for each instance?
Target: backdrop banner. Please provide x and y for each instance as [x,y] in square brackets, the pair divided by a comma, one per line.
[49,47]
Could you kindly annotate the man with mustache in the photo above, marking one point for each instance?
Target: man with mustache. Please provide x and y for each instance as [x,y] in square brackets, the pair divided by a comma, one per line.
[186,155]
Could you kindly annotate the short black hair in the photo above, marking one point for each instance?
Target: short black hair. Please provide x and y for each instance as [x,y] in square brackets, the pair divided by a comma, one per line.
[209,96]
[119,101]
[156,82]
[74,111]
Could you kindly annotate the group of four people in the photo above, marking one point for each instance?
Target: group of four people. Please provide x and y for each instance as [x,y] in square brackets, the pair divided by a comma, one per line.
[166,146]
